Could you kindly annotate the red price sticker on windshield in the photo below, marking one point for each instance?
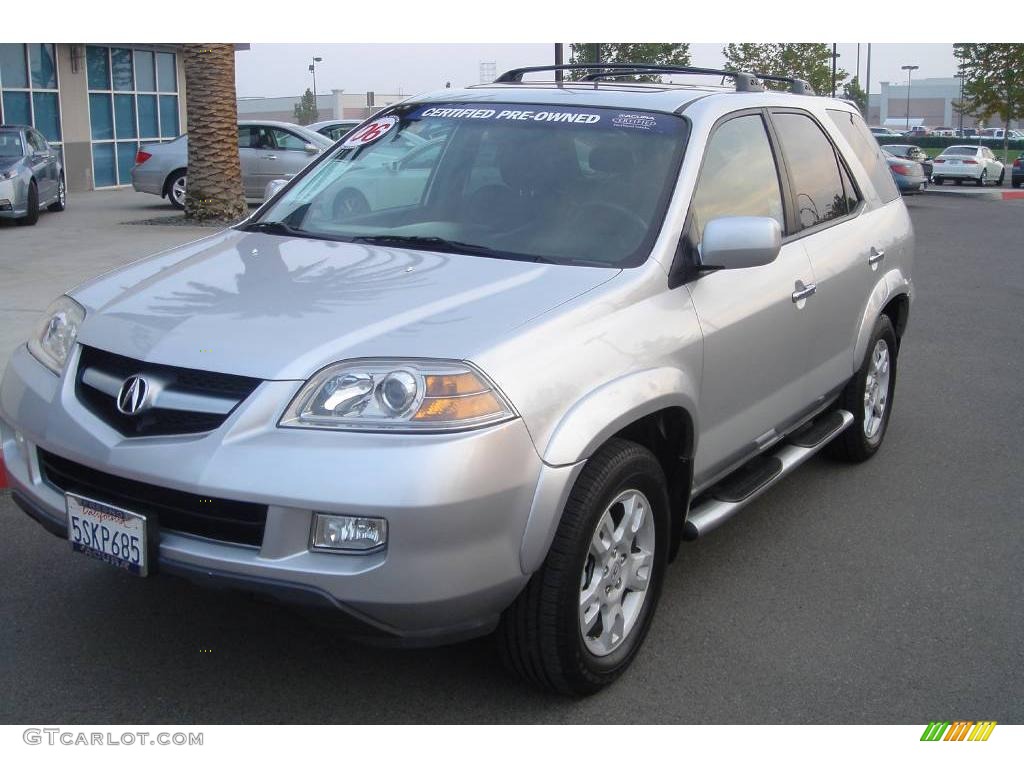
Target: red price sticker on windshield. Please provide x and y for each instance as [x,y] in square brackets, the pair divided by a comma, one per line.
[370,132]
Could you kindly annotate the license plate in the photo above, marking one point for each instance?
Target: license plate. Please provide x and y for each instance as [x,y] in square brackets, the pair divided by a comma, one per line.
[954,162]
[110,534]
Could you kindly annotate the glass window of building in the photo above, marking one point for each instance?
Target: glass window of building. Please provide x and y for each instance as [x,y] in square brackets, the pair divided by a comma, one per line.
[133,99]
[28,88]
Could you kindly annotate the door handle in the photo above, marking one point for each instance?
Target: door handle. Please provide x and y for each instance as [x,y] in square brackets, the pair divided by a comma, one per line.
[803,291]
[875,256]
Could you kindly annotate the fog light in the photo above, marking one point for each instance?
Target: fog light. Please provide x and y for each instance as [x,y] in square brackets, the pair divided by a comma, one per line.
[343,533]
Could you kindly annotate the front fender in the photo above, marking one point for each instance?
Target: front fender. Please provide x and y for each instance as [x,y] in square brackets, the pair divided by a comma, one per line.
[602,413]
[613,406]
[893,283]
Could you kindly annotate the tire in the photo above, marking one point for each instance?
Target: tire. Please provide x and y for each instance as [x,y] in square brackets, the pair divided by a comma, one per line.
[1002,175]
[541,636]
[980,181]
[62,197]
[938,181]
[959,182]
[1016,184]
[32,216]
[862,439]
[176,186]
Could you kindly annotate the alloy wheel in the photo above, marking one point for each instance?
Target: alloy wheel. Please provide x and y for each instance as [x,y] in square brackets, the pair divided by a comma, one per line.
[876,390]
[617,572]
[178,189]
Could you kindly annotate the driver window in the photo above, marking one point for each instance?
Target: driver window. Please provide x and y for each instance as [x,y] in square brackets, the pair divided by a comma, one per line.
[738,150]
[286,140]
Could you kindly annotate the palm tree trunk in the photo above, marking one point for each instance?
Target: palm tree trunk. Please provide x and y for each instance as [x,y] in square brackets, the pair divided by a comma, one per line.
[214,171]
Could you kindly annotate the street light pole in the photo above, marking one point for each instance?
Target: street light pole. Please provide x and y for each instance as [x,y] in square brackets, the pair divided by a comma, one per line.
[559,60]
[834,57]
[867,90]
[910,72]
[312,70]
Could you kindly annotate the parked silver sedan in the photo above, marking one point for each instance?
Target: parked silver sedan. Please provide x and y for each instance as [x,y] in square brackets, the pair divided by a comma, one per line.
[268,150]
[31,175]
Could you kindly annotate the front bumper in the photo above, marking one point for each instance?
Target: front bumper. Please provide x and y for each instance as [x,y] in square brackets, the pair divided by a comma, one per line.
[457,505]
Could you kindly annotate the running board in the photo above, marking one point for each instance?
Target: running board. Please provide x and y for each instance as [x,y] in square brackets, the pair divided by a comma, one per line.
[744,485]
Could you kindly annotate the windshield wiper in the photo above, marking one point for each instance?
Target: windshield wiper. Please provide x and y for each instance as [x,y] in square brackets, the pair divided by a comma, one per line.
[442,245]
[275,228]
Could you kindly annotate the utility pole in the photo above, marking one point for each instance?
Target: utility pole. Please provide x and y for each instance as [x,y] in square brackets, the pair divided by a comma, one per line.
[910,72]
[858,65]
[597,53]
[559,60]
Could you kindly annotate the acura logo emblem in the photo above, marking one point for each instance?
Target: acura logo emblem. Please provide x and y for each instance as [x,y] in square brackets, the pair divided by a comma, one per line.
[132,397]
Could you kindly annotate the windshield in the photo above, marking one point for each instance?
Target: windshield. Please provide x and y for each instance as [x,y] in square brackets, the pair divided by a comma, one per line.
[572,185]
[10,144]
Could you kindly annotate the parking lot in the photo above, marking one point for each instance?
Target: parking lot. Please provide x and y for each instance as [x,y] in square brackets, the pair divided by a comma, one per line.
[887,592]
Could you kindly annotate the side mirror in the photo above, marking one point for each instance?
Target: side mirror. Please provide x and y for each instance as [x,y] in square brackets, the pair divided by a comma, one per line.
[739,242]
[312,149]
[272,188]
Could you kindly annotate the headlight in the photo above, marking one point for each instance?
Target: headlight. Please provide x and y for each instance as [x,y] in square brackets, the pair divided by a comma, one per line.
[397,395]
[55,335]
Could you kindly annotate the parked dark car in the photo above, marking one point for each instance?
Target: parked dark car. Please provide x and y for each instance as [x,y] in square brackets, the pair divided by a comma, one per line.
[1017,172]
[910,152]
[908,174]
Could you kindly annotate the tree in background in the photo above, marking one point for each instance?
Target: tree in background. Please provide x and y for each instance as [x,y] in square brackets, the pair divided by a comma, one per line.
[993,83]
[214,172]
[306,111]
[809,61]
[677,54]
[856,94]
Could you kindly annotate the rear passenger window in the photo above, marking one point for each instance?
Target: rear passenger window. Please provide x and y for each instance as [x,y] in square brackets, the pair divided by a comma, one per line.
[738,177]
[814,170]
[865,147]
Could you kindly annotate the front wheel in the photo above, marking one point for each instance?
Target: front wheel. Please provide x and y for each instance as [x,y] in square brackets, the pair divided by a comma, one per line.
[581,619]
[869,397]
[1002,175]
[32,213]
[938,181]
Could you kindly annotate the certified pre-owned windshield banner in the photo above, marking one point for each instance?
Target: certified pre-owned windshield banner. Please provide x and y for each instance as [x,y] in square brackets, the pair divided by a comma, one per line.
[534,114]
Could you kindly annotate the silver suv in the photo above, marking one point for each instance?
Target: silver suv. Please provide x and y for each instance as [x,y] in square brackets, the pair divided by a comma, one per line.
[485,364]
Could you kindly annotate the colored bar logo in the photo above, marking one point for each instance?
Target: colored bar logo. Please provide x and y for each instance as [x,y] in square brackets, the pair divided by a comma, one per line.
[960,730]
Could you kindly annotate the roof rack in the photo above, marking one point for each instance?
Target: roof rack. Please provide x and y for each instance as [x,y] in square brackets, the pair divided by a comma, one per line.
[745,81]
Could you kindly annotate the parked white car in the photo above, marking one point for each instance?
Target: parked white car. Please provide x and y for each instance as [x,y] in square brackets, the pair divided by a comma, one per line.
[973,163]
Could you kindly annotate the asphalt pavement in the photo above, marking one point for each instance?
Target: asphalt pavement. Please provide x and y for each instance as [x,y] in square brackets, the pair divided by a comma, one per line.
[889,592]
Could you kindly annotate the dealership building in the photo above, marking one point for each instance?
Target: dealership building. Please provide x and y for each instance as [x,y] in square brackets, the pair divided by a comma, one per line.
[930,102]
[94,103]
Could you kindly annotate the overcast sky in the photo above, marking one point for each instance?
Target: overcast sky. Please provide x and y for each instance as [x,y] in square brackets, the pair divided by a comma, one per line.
[274,69]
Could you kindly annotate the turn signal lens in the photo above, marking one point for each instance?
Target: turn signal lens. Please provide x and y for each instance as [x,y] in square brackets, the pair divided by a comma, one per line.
[458,384]
[463,408]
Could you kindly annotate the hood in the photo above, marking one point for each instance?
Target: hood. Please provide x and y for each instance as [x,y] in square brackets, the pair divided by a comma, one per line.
[8,162]
[275,307]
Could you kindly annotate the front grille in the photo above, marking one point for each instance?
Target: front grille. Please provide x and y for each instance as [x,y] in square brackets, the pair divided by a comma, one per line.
[157,421]
[235,522]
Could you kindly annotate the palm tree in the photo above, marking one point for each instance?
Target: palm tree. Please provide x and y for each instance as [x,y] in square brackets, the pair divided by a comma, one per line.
[214,171]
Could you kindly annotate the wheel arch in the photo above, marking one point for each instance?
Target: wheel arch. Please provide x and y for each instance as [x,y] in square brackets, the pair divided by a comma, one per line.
[891,297]
[654,408]
[167,180]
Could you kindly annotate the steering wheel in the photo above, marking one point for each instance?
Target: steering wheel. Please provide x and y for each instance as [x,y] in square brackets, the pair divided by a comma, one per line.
[619,215]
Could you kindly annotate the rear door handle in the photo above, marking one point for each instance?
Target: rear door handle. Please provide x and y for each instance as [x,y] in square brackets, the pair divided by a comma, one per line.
[802,293]
[876,256]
